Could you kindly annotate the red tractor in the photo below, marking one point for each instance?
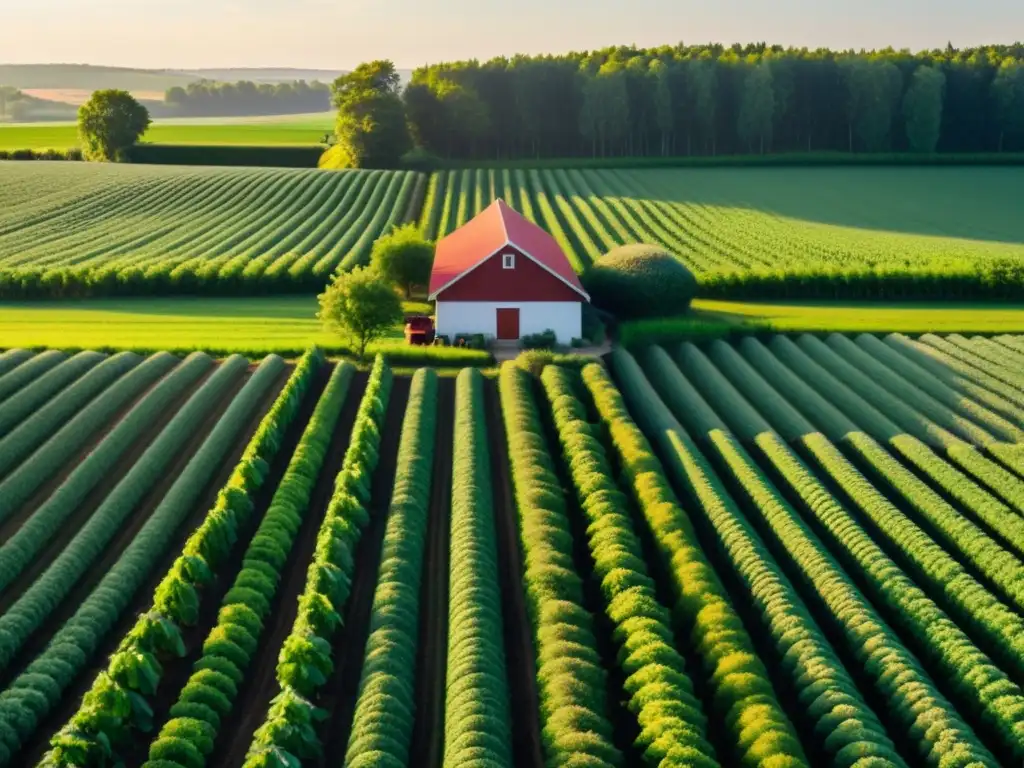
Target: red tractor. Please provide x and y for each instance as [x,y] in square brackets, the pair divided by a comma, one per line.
[419,329]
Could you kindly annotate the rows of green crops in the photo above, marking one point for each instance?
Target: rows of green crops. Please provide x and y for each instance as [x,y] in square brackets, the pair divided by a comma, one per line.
[73,229]
[743,228]
[784,551]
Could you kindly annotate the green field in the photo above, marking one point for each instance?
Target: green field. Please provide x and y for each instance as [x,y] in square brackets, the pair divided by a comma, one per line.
[724,220]
[875,234]
[278,130]
[188,229]
[287,323]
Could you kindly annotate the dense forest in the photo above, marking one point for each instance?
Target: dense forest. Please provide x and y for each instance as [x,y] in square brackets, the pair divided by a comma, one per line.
[207,98]
[706,100]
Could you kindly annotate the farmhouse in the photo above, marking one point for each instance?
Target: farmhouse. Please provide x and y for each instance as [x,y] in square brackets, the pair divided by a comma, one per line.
[505,277]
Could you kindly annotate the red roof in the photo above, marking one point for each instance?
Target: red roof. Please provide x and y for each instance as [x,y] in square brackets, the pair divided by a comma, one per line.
[488,232]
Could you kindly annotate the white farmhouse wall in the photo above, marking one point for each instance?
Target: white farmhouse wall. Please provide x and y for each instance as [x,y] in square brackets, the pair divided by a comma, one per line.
[565,318]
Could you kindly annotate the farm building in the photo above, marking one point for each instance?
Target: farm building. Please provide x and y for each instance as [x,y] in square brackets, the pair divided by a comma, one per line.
[505,277]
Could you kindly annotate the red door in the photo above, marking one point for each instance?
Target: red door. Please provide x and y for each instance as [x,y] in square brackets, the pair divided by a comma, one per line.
[508,324]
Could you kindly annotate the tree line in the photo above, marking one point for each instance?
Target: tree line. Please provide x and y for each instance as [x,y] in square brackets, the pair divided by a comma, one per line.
[207,98]
[713,99]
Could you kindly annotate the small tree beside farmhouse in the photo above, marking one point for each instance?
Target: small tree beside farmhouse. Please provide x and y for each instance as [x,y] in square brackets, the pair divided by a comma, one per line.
[109,123]
[360,306]
[404,258]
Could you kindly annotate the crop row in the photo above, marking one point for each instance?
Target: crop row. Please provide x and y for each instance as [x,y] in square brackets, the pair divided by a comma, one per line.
[34,606]
[832,710]
[222,231]
[39,687]
[977,685]
[573,684]
[905,414]
[477,717]
[382,725]
[119,700]
[35,533]
[736,250]
[661,695]
[305,661]
[188,737]
[767,381]
[977,500]
[29,370]
[47,450]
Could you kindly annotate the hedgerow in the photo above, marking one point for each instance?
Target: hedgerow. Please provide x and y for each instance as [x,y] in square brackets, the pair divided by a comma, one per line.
[572,680]
[661,695]
[38,689]
[95,732]
[305,663]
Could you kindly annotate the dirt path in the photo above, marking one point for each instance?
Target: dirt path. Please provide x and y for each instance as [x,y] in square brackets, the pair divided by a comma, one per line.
[339,695]
[260,684]
[427,744]
[37,746]
[519,651]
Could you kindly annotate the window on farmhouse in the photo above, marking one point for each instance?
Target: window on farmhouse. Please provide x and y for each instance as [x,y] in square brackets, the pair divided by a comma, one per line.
[510,261]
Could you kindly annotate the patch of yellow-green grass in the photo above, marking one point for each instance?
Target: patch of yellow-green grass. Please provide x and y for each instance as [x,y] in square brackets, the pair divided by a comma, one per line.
[276,130]
[869,317]
[255,326]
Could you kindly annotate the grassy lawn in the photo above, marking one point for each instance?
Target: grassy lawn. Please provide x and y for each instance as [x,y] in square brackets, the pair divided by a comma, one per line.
[288,323]
[870,317]
[270,324]
[280,130]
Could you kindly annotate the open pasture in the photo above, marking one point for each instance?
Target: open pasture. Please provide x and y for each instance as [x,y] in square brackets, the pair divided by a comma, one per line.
[849,509]
[273,130]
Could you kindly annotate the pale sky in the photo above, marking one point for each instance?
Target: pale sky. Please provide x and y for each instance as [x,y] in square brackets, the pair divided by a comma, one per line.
[338,34]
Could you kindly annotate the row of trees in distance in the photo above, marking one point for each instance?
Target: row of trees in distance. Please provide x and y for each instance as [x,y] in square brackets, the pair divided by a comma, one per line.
[707,100]
[207,98]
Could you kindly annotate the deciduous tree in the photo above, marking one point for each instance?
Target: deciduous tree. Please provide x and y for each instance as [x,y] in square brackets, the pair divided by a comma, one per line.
[1008,98]
[360,306]
[109,123]
[371,124]
[922,108]
[757,107]
[404,257]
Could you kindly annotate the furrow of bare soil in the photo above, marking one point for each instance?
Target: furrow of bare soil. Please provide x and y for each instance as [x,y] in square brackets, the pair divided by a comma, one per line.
[519,651]
[340,693]
[14,523]
[427,743]
[260,685]
[178,670]
[95,498]
[37,746]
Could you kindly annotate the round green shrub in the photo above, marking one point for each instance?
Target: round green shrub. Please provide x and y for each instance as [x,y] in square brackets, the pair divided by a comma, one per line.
[640,281]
